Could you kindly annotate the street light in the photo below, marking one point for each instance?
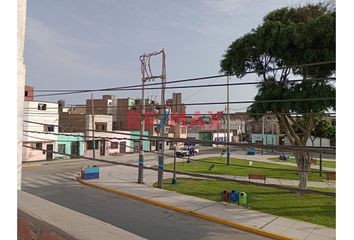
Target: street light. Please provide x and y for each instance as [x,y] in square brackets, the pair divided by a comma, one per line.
[174,180]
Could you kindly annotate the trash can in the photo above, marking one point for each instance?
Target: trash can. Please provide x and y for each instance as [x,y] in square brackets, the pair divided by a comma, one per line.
[225,196]
[251,151]
[233,196]
[243,199]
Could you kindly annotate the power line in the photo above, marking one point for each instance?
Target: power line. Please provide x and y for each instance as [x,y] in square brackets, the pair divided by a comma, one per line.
[175,87]
[192,174]
[205,77]
[291,148]
[222,103]
[167,155]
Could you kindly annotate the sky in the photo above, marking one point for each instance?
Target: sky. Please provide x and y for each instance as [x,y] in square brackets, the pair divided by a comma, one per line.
[89,44]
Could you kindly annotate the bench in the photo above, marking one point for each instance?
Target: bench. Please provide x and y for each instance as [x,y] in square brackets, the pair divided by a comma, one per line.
[330,176]
[257,176]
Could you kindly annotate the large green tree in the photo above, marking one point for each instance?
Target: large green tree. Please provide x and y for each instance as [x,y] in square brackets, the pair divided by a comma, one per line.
[289,37]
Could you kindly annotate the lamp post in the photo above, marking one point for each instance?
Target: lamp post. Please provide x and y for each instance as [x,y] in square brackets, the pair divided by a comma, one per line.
[174,180]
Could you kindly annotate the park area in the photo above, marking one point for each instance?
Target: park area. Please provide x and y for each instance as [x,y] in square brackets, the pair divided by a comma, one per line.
[241,167]
[310,207]
[314,207]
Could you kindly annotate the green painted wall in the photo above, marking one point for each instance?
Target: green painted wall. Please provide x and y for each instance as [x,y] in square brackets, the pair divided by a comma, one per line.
[268,138]
[146,143]
[67,140]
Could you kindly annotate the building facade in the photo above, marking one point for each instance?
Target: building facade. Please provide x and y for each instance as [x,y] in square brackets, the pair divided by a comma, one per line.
[41,132]
[71,145]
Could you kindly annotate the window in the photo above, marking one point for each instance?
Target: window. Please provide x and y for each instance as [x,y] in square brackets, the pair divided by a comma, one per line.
[101,126]
[184,130]
[61,148]
[90,145]
[48,128]
[39,146]
[114,145]
[42,106]
[26,93]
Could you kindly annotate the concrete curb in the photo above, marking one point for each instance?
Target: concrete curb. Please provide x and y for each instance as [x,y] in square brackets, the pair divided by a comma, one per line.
[31,165]
[189,212]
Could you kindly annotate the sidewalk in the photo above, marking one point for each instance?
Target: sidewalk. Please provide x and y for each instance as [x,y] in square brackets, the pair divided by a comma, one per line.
[124,179]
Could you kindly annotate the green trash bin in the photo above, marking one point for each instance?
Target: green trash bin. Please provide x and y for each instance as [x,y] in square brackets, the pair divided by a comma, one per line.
[243,199]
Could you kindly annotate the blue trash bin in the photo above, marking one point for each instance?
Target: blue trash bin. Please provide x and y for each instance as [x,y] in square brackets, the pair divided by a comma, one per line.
[233,196]
[251,151]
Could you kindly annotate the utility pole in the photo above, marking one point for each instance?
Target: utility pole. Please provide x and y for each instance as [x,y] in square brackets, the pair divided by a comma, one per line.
[320,158]
[262,133]
[147,75]
[93,128]
[174,180]
[162,130]
[228,120]
[142,129]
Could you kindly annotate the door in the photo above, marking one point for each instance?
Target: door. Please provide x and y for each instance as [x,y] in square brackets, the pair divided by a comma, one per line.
[49,152]
[102,148]
[75,149]
[122,147]
[136,147]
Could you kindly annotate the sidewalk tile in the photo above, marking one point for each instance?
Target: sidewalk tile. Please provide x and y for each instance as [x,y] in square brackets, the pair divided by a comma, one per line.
[319,237]
[276,228]
[297,234]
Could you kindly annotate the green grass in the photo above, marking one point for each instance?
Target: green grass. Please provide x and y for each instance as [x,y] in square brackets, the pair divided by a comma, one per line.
[314,208]
[219,167]
[329,164]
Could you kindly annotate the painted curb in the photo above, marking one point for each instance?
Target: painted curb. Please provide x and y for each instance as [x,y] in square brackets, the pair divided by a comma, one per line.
[31,165]
[189,212]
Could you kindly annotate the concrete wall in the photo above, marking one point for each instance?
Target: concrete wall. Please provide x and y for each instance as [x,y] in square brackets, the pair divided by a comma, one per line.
[127,142]
[30,154]
[221,137]
[268,138]
[21,76]
[67,140]
[49,116]
[325,142]
[146,146]
[39,219]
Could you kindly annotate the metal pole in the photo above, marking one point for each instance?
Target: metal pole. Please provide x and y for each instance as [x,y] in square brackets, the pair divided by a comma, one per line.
[228,120]
[320,158]
[142,129]
[93,127]
[162,130]
[174,180]
[262,133]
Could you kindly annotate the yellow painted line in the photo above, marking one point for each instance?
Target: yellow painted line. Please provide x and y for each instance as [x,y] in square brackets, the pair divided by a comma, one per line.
[31,165]
[189,212]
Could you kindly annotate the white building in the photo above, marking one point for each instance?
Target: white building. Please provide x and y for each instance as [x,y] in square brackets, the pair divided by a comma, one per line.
[102,144]
[39,134]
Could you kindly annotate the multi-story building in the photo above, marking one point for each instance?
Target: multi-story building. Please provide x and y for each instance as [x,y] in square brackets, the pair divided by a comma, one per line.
[40,132]
[102,124]
[176,104]
[105,106]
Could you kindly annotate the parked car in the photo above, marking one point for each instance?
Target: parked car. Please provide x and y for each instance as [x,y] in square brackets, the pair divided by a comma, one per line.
[182,152]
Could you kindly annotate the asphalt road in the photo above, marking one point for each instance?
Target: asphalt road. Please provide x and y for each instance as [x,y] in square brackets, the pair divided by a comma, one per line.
[55,182]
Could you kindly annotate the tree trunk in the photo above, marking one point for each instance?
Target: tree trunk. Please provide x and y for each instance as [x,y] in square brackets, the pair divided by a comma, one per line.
[303,165]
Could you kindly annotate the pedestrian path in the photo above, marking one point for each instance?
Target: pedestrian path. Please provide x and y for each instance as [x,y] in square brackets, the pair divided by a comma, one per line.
[124,179]
[259,158]
[49,180]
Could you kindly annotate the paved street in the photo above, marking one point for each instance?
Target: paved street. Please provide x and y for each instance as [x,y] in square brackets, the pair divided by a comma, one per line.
[55,182]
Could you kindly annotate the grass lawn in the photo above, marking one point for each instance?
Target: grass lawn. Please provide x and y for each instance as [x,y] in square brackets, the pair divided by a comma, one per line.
[218,166]
[314,208]
[329,164]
